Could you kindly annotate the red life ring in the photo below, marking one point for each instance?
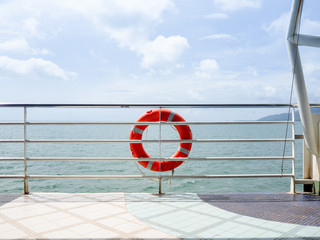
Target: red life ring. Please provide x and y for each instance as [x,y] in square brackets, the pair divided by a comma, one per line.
[166,116]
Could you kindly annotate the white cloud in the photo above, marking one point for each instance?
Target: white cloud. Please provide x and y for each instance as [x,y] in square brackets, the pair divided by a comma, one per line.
[15,45]
[207,68]
[208,65]
[31,26]
[252,71]
[155,53]
[216,16]
[33,66]
[311,27]
[269,91]
[42,51]
[235,5]
[279,25]
[129,23]
[20,45]
[311,67]
[195,94]
[218,36]
[216,85]
[138,18]
[162,50]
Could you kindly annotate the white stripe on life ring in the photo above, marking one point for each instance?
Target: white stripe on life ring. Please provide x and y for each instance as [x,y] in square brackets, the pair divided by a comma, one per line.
[150,165]
[137,130]
[171,116]
[183,150]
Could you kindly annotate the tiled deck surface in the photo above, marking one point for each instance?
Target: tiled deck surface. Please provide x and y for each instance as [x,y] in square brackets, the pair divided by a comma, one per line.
[172,216]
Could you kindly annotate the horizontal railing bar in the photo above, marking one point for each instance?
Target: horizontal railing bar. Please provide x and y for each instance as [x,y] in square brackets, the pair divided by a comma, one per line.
[94,123]
[149,123]
[157,176]
[11,140]
[141,141]
[304,181]
[141,159]
[64,105]
[228,122]
[154,159]
[11,123]
[230,176]
[11,176]
[157,123]
[11,159]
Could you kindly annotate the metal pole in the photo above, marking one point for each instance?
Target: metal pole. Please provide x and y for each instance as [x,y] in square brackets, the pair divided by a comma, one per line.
[293,186]
[160,190]
[300,86]
[159,177]
[26,185]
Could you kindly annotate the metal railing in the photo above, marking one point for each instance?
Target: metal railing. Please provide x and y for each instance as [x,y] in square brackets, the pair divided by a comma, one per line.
[26,141]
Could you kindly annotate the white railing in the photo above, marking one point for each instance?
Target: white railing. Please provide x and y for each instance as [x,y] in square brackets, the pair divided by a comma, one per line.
[26,141]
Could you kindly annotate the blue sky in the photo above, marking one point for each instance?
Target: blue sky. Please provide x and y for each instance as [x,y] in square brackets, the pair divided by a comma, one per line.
[151,51]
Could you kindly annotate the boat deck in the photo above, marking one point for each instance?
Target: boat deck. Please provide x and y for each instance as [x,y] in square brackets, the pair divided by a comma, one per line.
[170,216]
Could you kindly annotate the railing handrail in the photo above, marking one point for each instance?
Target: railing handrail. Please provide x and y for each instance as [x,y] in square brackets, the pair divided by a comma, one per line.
[146,123]
[169,105]
[139,105]
[144,141]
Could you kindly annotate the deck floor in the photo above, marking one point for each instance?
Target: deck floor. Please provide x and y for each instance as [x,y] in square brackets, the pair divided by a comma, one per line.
[147,216]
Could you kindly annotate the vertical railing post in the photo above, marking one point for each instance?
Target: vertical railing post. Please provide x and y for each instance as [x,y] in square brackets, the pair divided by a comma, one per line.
[160,178]
[160,188]
[293,186]
[26,185]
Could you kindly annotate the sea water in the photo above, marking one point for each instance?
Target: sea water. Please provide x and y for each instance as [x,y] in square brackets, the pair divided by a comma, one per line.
[227,131]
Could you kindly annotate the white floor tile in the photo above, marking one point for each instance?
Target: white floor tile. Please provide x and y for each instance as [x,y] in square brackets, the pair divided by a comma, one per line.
[84,228]
[129,227]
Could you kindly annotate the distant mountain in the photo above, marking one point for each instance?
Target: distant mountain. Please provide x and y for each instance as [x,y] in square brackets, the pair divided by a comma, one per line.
[284,116]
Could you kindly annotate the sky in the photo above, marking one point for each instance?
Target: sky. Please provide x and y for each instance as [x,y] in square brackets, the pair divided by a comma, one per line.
[151,51]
